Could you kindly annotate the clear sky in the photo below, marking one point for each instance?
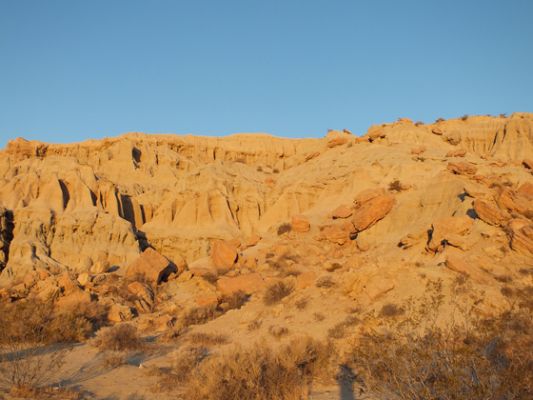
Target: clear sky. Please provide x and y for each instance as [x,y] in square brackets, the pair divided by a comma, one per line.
[77,69]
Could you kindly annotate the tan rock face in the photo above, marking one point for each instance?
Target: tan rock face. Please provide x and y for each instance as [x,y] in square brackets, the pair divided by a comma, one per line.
[462,168]
[371,211]
[489,213]
[450,231]
[343,211]
[248,284]
[223,254]
[300,224]
[521,234]
[151,265]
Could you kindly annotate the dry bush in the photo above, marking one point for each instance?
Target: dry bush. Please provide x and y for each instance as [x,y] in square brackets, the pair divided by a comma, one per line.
[123,337]
[319,317]
[259,372]
[284,228]
[233,301]
[37,321]
[464,117]
[391,310]
[200,315]
[45,393]
[114,360]
[481,358]
[440,119]
[183,366]
[277,291]
[395,186]
[333,267]
[207,339]
[339,330]
[419,123]
[325,282]
[278,331]
[255,324]
[301,304]
[28,330]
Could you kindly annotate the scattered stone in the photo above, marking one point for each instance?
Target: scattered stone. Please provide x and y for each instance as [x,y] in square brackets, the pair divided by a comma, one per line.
[300,224]
[223,254]
[152,266]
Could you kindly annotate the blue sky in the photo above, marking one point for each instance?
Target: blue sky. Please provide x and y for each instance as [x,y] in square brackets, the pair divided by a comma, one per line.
[75,69]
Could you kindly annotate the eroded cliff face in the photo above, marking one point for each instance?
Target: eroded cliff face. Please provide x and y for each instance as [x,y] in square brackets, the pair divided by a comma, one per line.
[100,203]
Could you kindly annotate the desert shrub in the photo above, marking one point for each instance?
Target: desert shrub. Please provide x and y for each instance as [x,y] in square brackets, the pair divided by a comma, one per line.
[255,324]
[391,310]
[301,304]
[277,291]
[284,228]
[234,301]
[395,186]
[123,337]
[35,321]
[183,366]
[114,360]
[419,123]
[339,330]
[44,393]
[278,331]
[207,339]
[440,119]
[200,315]
[28,362]
[259,372]
[464,117]
[319,317]
[480,358]
[325,282]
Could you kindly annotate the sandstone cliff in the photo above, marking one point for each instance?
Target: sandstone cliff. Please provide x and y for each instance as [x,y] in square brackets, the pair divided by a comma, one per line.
[69,207]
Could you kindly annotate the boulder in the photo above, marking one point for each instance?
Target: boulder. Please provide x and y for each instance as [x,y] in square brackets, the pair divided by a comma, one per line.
[514,202]
[249,284]
[300,224]
[152,266]
[521,235]
[223,254]
[305,280]
[337,233]
[371,211]
[456,153]
[489,213]
[458,264]
[366,195]
[417,150]
[462,168]
[342,211]
[449,231]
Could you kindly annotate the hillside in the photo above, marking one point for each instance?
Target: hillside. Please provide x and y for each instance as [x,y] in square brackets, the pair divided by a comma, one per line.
[153,228]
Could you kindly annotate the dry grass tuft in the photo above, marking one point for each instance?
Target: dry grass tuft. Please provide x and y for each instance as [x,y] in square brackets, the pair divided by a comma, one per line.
[259,372]
[207,339]
[284,228]
[123,337]
[278,331]
[391,310]
[325,282]
[277,291]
